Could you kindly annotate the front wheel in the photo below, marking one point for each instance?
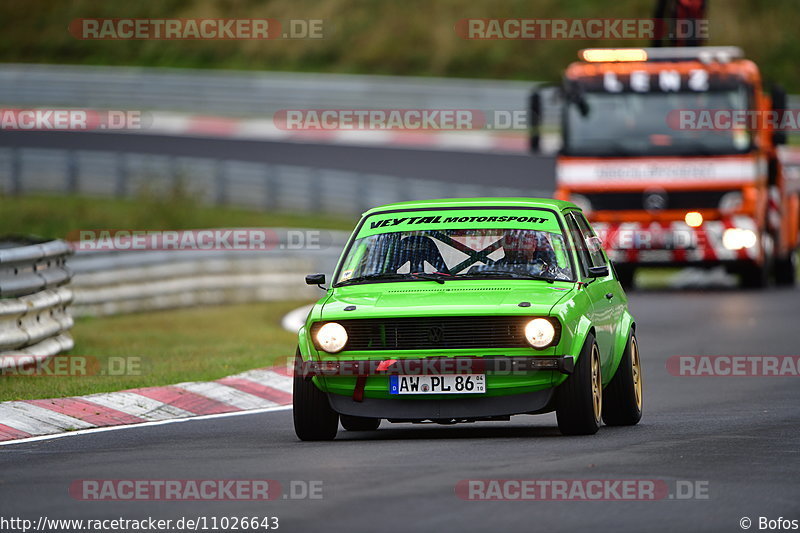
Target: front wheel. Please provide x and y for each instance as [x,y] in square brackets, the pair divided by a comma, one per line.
[579,400]
[313,417]
[622,398]
[359,423]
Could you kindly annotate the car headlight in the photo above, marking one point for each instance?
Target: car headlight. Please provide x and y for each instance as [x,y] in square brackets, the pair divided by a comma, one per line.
[331,337]
[540,332]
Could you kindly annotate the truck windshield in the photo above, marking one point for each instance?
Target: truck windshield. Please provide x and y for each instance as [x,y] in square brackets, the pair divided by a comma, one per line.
[631,124]
[457,254]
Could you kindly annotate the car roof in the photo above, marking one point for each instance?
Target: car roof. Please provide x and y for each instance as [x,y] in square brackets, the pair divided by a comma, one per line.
[547,203]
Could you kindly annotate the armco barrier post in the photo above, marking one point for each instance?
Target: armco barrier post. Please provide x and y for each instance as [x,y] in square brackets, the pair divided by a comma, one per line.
[16,171]
[270,188]
[72,172]
[121,182]
[220,184]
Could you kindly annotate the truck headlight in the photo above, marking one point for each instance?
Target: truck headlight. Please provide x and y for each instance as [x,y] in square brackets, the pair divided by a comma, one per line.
[738,238]
[540,332]
[331,337]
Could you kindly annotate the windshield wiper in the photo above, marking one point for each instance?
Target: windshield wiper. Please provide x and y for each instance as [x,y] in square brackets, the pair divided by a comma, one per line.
[371,277]
[392,275]
[438,278]
[506,274]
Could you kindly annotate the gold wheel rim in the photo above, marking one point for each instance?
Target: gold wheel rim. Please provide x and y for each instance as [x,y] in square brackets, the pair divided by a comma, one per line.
[597,384]
[637,372]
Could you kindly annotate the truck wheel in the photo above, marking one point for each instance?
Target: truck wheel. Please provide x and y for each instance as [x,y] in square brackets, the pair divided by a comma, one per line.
[754,277]
[622,398]
[359,423]
[786,270]
[313,417]
[579,400]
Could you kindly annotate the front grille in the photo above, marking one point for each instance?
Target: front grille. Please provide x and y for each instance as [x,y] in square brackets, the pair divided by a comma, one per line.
[435,333]
[618,201]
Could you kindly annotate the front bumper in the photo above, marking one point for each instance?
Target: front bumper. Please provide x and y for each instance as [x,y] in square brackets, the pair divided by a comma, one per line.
[503,365]
[514,385]
[458,408]
[676,243]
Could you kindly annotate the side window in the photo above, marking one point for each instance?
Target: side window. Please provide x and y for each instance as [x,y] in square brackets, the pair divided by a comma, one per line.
[578,240]
[593,243]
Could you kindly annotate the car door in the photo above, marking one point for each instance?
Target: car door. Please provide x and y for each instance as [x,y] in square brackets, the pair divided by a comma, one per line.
[603,292]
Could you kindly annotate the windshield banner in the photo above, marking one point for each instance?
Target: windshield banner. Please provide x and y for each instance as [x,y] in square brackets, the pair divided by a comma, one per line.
[442,219]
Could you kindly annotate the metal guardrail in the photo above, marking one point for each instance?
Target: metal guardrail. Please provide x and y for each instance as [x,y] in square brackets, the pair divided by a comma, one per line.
[222,182]
[27,267]
[259,94]
[246,94]
[262,94]
[34,320]
[34,314]
[107,283]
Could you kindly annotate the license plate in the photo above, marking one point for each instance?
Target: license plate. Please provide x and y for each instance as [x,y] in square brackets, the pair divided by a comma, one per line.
[438,384]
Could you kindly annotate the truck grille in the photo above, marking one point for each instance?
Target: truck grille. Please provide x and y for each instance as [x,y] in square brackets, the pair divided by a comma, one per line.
[618,201]
[434,333]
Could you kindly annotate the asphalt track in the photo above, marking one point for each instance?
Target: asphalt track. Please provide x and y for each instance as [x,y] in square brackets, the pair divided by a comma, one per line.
[740,435]
[502,170]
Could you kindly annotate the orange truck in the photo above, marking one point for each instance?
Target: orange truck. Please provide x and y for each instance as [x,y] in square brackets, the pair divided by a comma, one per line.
[672,154]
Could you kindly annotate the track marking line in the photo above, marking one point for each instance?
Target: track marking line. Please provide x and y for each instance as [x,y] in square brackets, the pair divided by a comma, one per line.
[36,420]
[146,424]
[183,399]
[225,394]
[268,378]
[93,413]
[138,405]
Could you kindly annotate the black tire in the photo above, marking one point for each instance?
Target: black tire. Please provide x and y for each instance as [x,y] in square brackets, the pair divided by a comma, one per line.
[754,277]
[786,270]
[359,423]
[577,399]
[313,417]
[622,398]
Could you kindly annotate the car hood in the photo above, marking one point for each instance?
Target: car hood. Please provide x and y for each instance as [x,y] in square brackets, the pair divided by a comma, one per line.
[502,297]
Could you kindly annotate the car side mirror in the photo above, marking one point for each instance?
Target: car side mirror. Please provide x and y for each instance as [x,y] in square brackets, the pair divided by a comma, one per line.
[315,279]
[598,271]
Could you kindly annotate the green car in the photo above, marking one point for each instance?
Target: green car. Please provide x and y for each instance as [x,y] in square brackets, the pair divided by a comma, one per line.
[464,310]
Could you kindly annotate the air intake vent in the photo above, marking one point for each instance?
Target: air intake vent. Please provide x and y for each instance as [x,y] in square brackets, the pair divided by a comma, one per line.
[450,332]
[476,289]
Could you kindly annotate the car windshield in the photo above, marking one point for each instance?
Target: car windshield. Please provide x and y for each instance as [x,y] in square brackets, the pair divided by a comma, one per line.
[625,124]
[449,254]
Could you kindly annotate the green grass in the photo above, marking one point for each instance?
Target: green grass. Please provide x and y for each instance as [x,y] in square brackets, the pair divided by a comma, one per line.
[412,37]
[51,216]
[167,347]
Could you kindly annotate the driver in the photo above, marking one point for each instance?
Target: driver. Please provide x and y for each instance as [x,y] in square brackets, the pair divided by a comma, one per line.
[526,252]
